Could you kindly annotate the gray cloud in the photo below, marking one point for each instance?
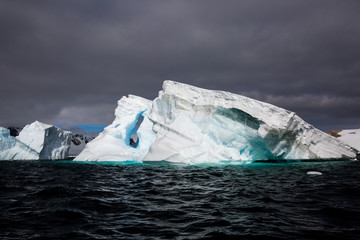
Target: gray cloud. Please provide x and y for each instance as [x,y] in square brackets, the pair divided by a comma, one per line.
[68,62]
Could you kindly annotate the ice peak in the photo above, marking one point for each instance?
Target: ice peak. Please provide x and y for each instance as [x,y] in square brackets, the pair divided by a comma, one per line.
[42,125]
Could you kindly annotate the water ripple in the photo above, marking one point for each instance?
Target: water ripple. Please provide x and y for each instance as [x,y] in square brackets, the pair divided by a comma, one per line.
[52,200]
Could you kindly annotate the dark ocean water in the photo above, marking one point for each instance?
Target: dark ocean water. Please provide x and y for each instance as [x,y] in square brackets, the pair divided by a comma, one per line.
[68,200]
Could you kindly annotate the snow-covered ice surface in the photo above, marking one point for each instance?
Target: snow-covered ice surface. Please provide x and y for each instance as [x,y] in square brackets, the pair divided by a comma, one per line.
[113,144]
[187,124]
[35,141]
[351,137]
[195,125]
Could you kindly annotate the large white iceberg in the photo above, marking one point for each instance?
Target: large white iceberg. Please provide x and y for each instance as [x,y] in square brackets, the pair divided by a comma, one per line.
[35,141]
[128,138]
[187,124]
[195,125]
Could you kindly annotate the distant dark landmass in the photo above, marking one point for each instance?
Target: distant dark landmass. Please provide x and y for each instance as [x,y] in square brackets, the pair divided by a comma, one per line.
[78,142]
[14,131]
[334,133]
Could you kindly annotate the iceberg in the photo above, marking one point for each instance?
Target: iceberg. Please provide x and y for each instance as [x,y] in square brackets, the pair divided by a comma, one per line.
[191,125]
[195,125]
[129,136]
[351,137]
[35,141]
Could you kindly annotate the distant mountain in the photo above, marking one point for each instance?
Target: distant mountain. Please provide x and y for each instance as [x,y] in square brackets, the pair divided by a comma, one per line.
[76,130]
[14,131]
[78,143]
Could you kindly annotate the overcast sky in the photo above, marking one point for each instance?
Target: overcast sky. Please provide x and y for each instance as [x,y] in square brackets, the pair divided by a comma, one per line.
[68,62]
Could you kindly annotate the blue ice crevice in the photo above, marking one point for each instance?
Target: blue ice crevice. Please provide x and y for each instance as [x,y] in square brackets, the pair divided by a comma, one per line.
[132,139]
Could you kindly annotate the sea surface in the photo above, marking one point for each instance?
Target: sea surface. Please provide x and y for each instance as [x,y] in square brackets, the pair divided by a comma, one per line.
[70,200]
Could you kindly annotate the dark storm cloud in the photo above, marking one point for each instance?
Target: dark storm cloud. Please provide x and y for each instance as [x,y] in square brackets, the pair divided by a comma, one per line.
[68,62]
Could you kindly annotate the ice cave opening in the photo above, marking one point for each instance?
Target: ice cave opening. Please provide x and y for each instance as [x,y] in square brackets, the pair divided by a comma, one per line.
[134,138]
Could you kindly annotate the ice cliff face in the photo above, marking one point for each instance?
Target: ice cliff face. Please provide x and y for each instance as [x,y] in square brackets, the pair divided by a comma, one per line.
[35,141]
[191,125]
[128,138]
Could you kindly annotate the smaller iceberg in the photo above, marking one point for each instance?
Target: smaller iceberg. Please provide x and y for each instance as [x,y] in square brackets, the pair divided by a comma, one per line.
[316,173]
[36,141]
[350,137]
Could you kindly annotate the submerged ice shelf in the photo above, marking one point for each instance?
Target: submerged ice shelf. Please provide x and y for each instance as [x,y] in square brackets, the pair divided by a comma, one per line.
[187,124]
